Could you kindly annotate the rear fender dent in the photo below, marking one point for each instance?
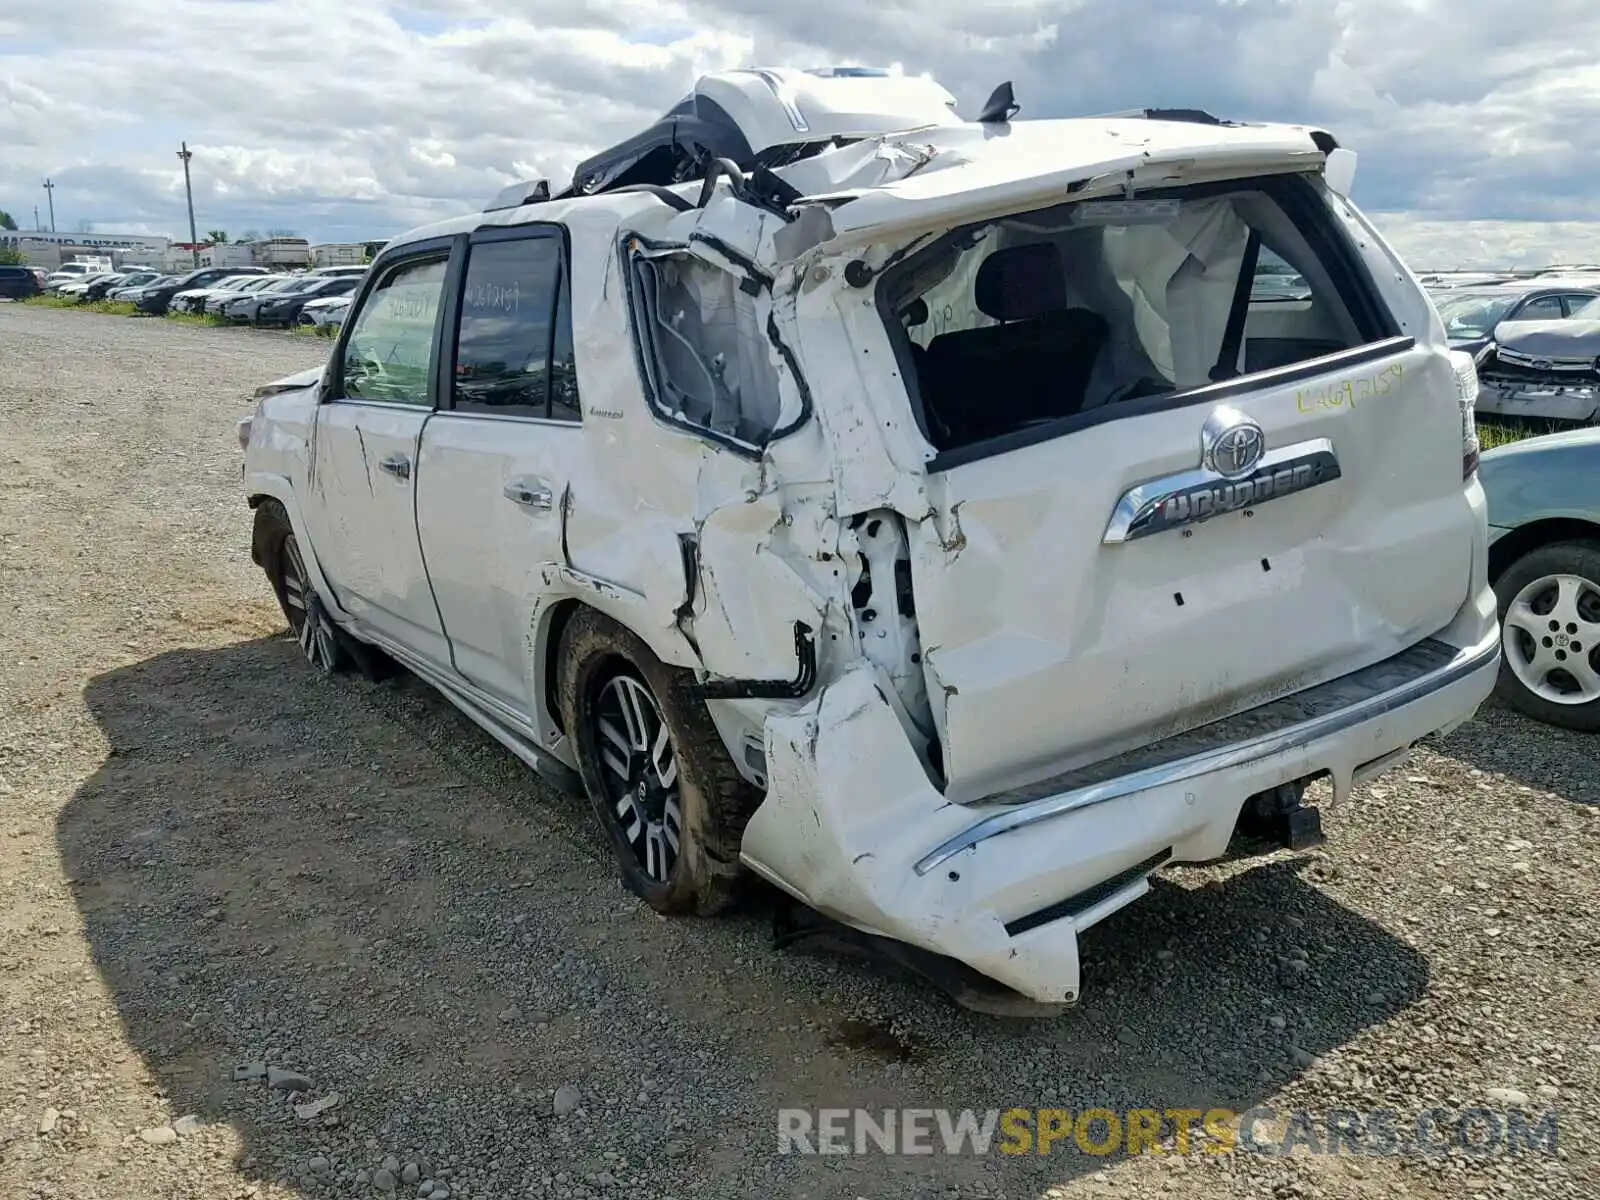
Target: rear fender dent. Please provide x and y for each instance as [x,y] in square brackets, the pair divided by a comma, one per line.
[552,583]
[838,770]
[849,810]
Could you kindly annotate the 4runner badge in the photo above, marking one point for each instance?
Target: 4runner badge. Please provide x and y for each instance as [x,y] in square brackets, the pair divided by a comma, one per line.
[1236,472]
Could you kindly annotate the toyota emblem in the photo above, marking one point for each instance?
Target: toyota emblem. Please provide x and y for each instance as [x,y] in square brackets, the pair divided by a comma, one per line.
[1231,444]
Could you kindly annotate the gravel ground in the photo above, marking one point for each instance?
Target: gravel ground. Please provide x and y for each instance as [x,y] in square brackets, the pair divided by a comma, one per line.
[211,859]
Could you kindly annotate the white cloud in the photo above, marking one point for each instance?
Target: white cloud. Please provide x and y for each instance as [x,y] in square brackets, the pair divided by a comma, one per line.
[1475,122]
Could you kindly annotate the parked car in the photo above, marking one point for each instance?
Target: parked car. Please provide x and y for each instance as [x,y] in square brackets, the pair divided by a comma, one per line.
[192,300]
[217,297]
[79,287]
[131,294]
[1471,314]
[1548,369]
[242,309]
[1544,561]
[18,283]
[71,272]
[102,288]
[284,308]
[325,311]
[155,300]
[1449,281]
[864,536]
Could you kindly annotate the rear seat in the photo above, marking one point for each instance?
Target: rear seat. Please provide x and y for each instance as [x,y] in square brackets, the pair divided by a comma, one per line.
[1033,365]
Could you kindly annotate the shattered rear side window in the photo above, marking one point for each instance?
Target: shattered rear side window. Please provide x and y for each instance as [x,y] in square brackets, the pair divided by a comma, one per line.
[706,353]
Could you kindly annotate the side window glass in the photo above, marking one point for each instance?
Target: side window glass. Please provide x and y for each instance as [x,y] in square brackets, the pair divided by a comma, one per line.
[1544,308]
[707,357]
[504,351]
[1277,280]
[389,356]
[1575,302]
[564,404]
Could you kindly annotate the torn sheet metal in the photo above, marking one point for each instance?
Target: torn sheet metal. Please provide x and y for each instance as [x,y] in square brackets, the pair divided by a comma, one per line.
[848,806]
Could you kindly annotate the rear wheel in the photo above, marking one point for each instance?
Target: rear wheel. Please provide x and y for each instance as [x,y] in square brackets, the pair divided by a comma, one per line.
[654,767]
[1549,602]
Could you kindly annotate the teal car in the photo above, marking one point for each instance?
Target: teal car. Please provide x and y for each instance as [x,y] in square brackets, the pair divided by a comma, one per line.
[1544,562]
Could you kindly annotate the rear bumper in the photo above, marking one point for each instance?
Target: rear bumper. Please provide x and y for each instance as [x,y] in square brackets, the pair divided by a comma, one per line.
[852,826]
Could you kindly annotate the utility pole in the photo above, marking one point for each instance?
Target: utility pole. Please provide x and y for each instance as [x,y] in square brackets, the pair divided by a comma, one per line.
[36,216]
[50,192]
[188,191]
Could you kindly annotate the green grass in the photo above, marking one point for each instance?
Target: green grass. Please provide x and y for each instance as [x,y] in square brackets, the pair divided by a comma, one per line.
[117,308]
[323,331]
[1503,433]
[197,319]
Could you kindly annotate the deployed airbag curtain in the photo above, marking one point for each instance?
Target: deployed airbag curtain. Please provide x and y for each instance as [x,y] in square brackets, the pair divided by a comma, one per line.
[1164,288]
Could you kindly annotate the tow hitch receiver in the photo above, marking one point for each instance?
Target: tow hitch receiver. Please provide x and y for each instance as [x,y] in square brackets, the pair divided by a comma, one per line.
[1279,816]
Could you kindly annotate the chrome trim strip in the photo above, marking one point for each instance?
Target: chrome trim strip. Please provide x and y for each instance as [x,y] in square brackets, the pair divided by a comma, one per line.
[469,414]
[1465,663]
[1544,362]
[1135,513]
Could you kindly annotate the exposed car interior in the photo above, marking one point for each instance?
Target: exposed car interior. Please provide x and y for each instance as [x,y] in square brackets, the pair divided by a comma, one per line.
[1048,315]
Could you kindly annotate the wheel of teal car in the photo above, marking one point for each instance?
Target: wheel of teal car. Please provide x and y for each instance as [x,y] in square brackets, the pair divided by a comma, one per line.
[1549,603]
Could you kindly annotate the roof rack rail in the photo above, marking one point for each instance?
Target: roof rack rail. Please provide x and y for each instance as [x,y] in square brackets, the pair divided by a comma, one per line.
[529,191]
[1197,116]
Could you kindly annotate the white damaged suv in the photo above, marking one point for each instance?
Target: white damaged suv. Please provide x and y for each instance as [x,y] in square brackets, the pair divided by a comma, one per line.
[946,521]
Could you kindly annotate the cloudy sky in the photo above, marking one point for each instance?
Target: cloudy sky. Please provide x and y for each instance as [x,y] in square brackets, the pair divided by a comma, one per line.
[1477,122]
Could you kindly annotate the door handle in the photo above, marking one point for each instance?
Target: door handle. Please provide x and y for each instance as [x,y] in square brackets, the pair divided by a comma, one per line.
[529,495]
[397,465]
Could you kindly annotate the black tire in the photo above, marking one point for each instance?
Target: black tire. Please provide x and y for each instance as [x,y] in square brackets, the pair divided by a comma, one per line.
[1552,642]
[328,648]
[597,659]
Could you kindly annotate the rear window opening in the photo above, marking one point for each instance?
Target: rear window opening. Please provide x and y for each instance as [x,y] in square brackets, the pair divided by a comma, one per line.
[1094,309]
[706,353]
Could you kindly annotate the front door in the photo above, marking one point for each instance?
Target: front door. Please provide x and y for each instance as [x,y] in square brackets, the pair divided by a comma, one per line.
[362,502]
[496,460]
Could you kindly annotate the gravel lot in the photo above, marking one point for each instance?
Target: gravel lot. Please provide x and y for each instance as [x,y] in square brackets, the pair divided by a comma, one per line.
[211,858]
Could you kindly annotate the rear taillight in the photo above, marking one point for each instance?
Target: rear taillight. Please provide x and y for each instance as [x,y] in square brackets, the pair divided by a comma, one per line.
[1467,398]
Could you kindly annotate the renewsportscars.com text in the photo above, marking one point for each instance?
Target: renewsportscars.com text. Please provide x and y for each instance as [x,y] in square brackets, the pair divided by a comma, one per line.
[1102,1132]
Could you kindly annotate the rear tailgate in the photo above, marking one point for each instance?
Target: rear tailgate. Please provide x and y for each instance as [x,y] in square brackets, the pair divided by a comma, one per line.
[1052,647]
[1066,614]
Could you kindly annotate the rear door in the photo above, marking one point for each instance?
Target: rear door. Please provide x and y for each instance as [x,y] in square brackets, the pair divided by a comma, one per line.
[362,500]
[495,462]
[1166,503]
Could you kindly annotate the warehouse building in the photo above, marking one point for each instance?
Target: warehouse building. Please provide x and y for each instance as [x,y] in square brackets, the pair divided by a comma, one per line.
[43,248]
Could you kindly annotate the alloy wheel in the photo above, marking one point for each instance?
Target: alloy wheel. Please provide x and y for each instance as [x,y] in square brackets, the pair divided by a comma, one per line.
[308,619]
[1551,635]
[639,771]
